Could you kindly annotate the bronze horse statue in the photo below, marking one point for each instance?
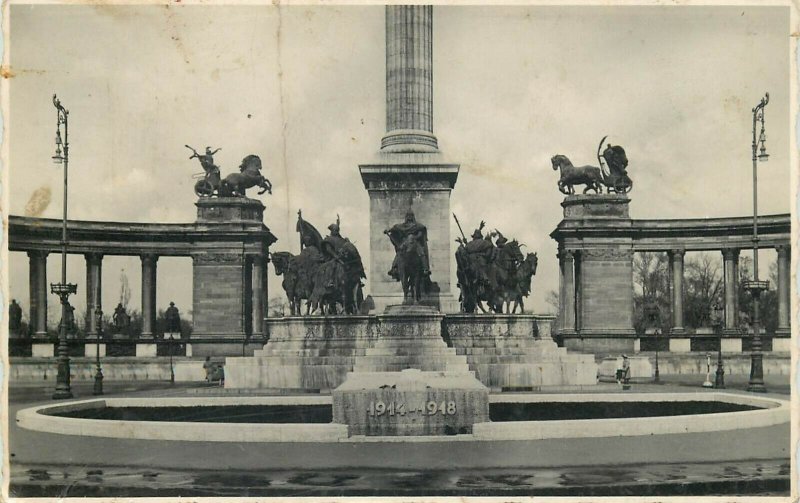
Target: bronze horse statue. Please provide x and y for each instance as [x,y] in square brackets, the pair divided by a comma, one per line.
[571,175]
[410,269]
[249,176]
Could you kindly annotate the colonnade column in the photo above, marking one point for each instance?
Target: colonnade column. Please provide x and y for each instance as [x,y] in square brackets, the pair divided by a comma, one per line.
[259,294]
[38,292]
[784,295]
[676,261]
[568,308]
[149,275]
[730,260]
[94,281]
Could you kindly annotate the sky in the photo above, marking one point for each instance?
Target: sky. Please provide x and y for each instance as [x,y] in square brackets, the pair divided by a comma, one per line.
[303,88]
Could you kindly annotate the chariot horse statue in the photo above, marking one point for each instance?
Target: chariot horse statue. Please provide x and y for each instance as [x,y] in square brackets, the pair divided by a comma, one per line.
[612,172]
[233,185]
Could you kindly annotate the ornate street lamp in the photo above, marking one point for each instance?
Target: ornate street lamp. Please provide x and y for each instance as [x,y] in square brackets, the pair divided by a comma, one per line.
[756,287]
[717,314]
[98,376]
[63,289]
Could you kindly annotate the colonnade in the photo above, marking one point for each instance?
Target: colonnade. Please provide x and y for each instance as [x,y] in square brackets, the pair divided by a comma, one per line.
[570,286]
[255,270]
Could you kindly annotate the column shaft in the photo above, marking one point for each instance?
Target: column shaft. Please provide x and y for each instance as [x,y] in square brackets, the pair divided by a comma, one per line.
[676,258]
[38,292]
[784,295]
[149,275]
[409,78]
[259,294]
[569,291]
[730,257]
[94,280]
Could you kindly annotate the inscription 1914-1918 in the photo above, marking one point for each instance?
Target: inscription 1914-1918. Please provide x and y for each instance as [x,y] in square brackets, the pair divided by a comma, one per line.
[430,408]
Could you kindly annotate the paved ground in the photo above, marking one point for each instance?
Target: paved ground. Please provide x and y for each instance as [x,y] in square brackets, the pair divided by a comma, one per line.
[749,461]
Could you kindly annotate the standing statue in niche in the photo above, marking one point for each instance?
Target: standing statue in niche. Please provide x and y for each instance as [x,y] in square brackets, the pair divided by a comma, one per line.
[121,320]
[411,265]
[173,319]
[14,317]
[233,185]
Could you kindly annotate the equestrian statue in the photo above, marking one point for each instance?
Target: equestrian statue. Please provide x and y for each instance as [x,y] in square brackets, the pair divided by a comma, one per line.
[612,172]
[233,185]
[327,274]
[496,273]
[411,264]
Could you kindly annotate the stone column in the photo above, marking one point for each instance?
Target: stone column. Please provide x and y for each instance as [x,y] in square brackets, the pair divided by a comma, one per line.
[784,295]
[676,259]
[568,300]
[259,294]
[94,281]
[38,292]
[409,79]
[730,258]
[578,280]
[149,276]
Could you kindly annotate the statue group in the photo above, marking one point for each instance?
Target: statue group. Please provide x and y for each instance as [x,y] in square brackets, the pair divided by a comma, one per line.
[212,184]
[496,273]
[612,172]
[327,274]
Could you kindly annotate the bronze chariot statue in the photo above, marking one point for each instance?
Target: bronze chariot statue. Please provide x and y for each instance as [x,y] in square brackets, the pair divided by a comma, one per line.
[233,185]
[612,172]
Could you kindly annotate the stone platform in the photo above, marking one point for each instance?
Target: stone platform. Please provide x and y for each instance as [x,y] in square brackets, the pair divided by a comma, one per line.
[309,353]
[316,352]
[515,351]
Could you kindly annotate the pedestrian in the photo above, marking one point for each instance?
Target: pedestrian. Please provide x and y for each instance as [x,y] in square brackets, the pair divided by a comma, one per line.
[209,368]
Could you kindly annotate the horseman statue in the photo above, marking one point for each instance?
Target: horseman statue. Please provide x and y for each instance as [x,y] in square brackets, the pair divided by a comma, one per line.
[411,264]
[233,185]
[327,274]
[612,173]
[496,273]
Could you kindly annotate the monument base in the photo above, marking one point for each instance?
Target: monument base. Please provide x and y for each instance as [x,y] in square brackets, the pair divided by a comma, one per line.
[511,351]
[304,352]
[410,402]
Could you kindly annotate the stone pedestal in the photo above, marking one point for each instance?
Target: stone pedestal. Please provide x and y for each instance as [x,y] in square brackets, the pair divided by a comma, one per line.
[222,273]
[734,344]
[411,402]
[42,349]
[146,350]
[596,272]
[680,345]
[397,183]
[90,350]
[410,337]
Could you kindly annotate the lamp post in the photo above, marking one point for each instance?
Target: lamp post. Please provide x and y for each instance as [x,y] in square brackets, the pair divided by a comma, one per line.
[171,367]
[98,376]
[716,322]
[63,289]
[756,287]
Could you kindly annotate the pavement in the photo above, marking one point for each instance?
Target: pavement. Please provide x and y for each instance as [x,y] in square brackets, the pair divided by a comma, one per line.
[743,462]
